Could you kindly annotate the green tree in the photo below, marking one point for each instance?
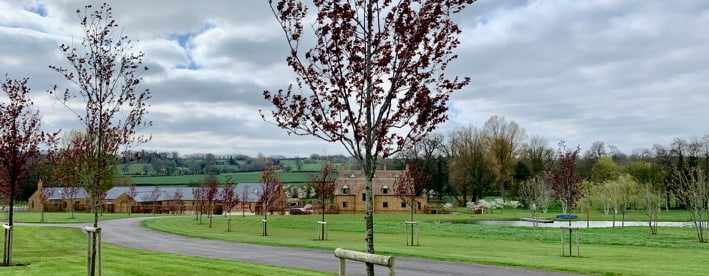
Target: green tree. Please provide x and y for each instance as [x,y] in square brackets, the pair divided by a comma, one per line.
[604,169]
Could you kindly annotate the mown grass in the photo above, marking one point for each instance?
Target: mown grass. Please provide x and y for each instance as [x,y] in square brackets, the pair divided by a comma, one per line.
[287,177]
[62,251]
[627,251]
[64,217]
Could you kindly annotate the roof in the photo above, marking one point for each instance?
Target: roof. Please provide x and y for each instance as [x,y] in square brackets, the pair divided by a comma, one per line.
[58,192]
[143,193]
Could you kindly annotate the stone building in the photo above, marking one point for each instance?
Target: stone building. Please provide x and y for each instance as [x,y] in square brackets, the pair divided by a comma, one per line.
[147,199]
[350,194]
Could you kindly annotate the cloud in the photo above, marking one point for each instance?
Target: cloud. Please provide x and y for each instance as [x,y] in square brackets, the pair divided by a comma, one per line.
[630,73]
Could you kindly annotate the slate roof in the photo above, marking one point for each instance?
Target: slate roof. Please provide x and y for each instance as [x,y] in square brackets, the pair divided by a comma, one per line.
[166,192]
[56,193]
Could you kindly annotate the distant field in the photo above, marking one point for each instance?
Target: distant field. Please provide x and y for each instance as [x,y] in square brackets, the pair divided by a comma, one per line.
[286,177]
[316,165]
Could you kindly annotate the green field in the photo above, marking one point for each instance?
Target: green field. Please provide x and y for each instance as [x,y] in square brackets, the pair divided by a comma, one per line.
[627,251]
[62,251]
[289,177]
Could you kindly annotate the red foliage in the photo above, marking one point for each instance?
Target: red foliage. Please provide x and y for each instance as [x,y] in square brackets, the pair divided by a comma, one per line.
[410,184]
[565,181]
[227,195]
[324,184]
[20,138]
[271,186]
[105,74]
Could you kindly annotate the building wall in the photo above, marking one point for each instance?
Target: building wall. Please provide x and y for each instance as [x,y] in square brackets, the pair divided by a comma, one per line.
[350,188]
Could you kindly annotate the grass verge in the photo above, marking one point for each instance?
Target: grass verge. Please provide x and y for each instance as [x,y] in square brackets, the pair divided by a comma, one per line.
[627,251]
[62,251]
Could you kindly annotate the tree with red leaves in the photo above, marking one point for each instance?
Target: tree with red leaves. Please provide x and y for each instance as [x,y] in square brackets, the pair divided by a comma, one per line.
[210,185]
[408,186]
[561,173]
[374,82]
[20,140]
[200,194]
[270,191]
[229,199]
[324,186]
[105,72]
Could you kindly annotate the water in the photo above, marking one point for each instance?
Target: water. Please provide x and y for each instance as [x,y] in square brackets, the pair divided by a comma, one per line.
[582,224]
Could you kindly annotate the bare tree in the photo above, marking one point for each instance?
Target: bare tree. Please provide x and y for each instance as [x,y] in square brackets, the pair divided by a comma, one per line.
[535,192]
[45,197]
[200,195]
[105,72]
[269,193]
[177,197]
[20,140]
[408,187]
[132,192]
[376,76]
[694,195]
[324,185]
[153,198]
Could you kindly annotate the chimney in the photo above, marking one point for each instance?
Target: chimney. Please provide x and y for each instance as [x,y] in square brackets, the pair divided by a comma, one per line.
[40,185]
[342,167]
[385,165]
[407,166]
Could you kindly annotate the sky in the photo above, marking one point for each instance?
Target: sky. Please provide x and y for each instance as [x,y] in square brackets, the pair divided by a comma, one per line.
[628,73]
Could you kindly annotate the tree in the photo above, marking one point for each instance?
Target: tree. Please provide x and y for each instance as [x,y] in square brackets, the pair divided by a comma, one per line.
[200,196]
[229,199]
[561,174]
[324,185]
[536,193]
[649,177]
[45,197]
[469,164]
[153,197]
[376,76]
[105,72]
[177,197]
[132,192]
[408,187]
[269,192]
[694,195]
[503,141]
[604,169]
[21,138]
[210,184]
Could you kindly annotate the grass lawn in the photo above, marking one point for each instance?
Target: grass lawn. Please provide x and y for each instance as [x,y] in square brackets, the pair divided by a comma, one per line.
[62,251]
[630,250]
[63,217]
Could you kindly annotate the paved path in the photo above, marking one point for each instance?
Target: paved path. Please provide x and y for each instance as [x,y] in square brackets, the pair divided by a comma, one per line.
[128,232]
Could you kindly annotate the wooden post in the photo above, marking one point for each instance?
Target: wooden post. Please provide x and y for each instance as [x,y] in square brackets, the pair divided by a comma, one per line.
[414,232]
[228,223]
[265,225]
[93,234]
[322,230]
[7,251]
[571,229]
[344,254]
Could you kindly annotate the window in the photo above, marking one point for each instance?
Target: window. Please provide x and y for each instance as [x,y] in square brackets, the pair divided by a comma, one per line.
[385,189]
[364,197]
[385,204]
[403,204]
[419,205]
[344,204]
[345,190]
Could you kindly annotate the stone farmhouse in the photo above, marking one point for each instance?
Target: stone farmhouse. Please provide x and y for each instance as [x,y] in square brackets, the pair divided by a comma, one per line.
[350,193]
[166,199]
